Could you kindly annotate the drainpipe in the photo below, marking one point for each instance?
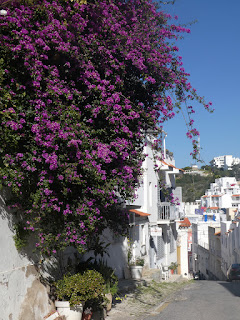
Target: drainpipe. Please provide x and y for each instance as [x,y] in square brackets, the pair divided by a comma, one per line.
[164,144]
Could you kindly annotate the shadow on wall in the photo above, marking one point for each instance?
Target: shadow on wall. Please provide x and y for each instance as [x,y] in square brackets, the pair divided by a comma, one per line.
[12,221]
[24,295]
[21,243]
[115,255]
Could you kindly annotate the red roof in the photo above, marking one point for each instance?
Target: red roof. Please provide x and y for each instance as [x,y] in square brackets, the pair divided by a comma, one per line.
[236,195]
[185,223]
[170,165]
[139,213]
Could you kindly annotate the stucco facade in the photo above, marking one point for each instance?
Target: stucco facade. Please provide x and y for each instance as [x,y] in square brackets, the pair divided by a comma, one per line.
[200,246]
[215,257]
[22,294]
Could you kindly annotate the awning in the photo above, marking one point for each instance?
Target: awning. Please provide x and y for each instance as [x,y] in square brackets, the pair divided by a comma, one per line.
[139,213]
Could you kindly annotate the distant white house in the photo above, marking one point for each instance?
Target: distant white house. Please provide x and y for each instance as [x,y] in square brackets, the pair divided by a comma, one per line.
[224,162]
[223,193]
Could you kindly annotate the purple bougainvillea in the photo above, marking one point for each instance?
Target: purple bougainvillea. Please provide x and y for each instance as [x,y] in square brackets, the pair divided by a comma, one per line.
[80,85]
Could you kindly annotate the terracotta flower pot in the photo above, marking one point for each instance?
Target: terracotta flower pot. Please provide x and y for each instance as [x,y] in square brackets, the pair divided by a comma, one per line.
[87,316]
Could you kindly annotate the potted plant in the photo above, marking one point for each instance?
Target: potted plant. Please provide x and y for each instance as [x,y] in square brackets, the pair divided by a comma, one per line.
[110,279]
[73,291]
[173,267]
[136,267]
[87,314]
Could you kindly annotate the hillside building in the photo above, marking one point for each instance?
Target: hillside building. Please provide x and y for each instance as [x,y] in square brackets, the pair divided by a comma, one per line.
[223,193]
[224,162]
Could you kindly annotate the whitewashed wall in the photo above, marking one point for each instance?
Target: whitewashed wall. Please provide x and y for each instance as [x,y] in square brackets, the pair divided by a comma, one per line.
[22,295]
[116,256]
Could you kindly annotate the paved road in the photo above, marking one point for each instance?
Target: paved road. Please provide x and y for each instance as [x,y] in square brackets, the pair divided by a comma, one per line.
[202,300]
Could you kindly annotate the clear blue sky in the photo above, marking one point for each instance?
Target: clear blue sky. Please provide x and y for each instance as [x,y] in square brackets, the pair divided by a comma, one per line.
[211,54]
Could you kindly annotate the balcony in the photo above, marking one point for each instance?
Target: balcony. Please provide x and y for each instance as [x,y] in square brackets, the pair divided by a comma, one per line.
[167,212]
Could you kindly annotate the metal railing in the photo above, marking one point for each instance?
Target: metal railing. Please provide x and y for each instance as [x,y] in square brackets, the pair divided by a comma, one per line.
[166,211]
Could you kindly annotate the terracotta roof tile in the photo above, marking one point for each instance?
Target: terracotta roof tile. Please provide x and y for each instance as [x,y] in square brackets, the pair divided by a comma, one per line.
[170,165]
[185,223]
[140,213]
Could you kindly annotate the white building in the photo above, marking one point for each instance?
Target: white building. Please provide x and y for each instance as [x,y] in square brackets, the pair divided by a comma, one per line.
[184,247]
[224,162]
[230,243]
[157,238]
[215,256]
[223,193]
[200,246]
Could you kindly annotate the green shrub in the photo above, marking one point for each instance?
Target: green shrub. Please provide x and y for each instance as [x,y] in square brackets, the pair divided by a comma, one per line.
[137,262]
[21,236]
[81,287]
[173,266]
[108,274]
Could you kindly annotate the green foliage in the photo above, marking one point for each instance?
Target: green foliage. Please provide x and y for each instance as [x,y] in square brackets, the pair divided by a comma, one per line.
[21,236]
[137,262]
[193,186]
[81,287]
[108,274]
[173,266]
[187,168]
[235,172]
[140,262]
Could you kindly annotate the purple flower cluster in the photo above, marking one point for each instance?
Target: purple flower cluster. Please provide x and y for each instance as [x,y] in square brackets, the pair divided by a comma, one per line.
[80,84]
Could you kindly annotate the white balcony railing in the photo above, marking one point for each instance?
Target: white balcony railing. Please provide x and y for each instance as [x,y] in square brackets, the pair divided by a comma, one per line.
[166,211]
